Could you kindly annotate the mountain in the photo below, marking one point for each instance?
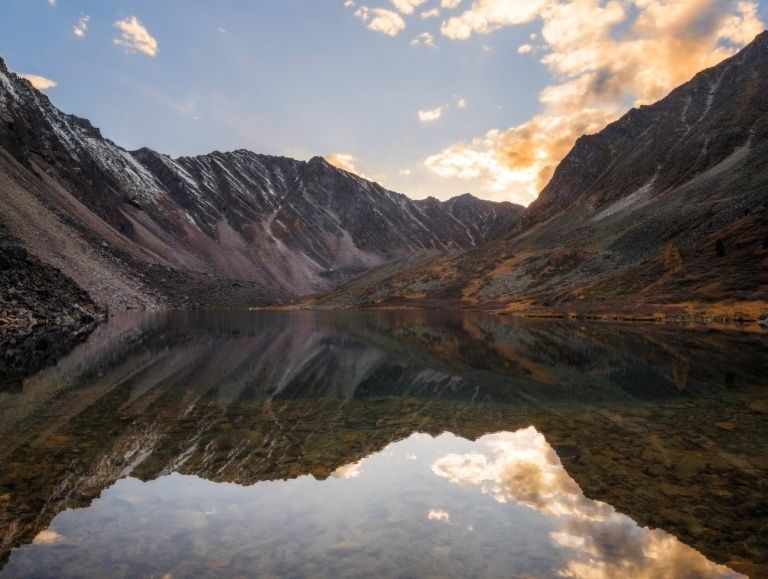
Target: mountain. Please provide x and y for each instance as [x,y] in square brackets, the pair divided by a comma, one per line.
[43,313]
[480,218]
[665,210]
[141,229]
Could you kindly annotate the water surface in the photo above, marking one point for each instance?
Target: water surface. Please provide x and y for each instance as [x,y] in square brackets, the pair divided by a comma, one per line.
[388,444]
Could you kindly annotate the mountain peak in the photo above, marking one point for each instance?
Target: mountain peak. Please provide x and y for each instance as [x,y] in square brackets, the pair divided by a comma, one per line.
[665,144]
[317,160]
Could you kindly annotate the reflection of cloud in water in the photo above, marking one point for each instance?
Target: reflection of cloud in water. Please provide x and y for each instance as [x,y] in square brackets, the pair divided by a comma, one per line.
[351,470]
[521,467]
[47,537]
[439,515]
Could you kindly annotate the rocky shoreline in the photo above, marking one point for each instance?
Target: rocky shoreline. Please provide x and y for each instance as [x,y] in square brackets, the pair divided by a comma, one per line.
[43,313]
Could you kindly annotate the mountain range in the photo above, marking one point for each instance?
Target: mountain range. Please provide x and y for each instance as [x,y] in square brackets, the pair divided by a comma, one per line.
[664,210]
[138,228]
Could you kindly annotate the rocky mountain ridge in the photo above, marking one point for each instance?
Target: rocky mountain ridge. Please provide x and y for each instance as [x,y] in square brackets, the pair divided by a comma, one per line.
[292,227]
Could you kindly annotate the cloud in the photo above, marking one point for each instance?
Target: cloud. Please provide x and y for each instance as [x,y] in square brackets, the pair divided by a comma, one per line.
[404,173]
[431,13]
[348,471]
[81,27]
[52,2]
[381,20]
[521,467]
[439,515]
[431,115]
[591,538]
[525,49]
[406,6]
[450,4]
[47,536]
[346,162]
[461,103]
[603,56]
[135,37]
[39,82]
[484,16]
[424,39]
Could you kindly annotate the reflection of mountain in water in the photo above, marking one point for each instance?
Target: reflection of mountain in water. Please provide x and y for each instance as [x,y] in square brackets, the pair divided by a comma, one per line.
[666,425]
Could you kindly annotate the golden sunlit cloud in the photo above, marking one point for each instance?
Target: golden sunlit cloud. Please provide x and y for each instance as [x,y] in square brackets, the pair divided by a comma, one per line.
[603,55]
[39,82]
[485,16]
[381,20]
[345,162]
[406,6]
[135,37]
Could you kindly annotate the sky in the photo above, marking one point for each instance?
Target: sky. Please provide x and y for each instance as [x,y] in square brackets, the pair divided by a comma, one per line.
[427,97]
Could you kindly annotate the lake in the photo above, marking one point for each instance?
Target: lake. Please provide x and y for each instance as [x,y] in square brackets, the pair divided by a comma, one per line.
[388,444]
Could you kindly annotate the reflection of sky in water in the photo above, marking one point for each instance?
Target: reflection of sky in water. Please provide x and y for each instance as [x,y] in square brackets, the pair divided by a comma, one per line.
[501,506]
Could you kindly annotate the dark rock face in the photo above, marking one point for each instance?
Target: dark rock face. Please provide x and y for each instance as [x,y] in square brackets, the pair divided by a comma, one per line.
[298,227]
[42,313]
[667,206]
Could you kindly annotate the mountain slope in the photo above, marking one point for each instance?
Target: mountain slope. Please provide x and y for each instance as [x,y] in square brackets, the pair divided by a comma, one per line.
[667,205]
[293,226]
[43,313]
